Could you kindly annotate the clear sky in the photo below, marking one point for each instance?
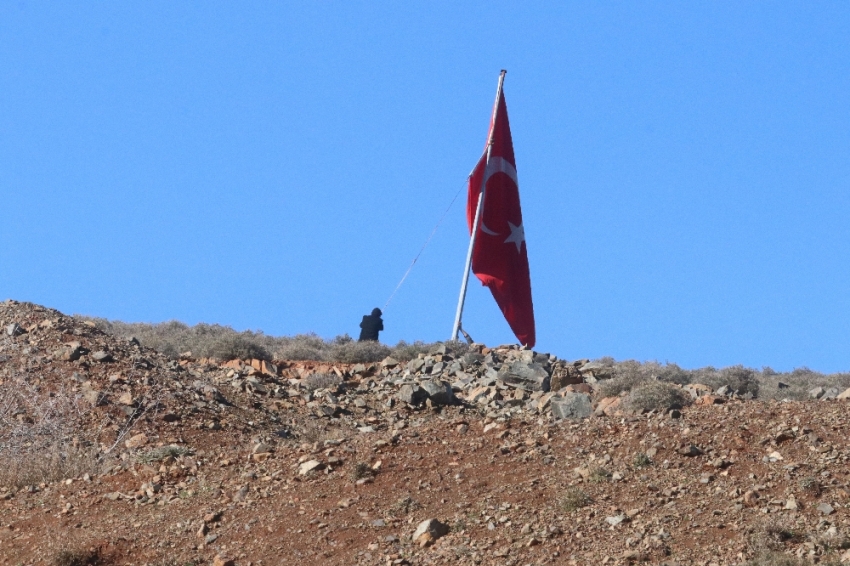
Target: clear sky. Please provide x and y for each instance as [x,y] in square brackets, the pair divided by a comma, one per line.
[683,168]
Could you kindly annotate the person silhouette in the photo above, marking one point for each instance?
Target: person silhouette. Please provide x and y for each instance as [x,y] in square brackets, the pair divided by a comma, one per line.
[371,325]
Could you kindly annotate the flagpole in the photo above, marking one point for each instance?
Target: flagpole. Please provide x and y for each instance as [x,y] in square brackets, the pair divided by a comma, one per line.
[478,211]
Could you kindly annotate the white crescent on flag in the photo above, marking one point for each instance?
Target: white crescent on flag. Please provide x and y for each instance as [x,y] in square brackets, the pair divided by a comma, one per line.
[498,165]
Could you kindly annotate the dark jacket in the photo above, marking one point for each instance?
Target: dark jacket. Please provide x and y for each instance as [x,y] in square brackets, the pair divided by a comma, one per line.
[371,325]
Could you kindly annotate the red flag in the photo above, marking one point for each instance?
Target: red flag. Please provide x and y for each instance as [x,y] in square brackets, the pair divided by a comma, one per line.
[500,259]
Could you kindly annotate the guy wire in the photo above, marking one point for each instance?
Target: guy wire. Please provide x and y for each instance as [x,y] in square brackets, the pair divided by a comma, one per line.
[425,245]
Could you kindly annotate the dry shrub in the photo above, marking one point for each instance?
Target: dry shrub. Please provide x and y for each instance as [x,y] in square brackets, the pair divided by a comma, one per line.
[741,380]
[630,374]
[574,499]
[41,438]
[361,470]
[76,558]
[223,342]
[315,431]
[811,486]
[747,382]
[301,347]
[656,395]
[773,558]
[641,460]
[163,452]
[316,381]
[344,349]
[237,346]
[773,533]
[203,340]
[599,475]
[405,505]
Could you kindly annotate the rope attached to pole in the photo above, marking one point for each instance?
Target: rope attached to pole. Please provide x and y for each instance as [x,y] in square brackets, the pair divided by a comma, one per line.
[425,245]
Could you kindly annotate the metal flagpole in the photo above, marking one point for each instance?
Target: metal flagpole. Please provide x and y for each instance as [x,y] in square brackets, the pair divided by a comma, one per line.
[478,210]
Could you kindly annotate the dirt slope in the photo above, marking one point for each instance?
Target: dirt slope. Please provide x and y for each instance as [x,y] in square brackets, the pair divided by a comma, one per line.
[199,462]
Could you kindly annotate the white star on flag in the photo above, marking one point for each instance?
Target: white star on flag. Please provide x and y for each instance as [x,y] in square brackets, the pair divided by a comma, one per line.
[517,235]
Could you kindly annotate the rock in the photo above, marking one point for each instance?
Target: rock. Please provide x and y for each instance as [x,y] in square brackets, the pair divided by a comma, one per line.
[616,520]
[831,393]
[240,494]
[220,561]
[102,356]
[571,406]
[412,394]
[724,391]
[609,406]
[825,509]
[14,329]
[415,365]
[439,392]
[751,498]
[309,466]
[70,352]
[389,362]
[94,397]
[127,399]
[844,395]
[527,376]
[261,448]
[697,390]
[596,370]
[268,368]
[136,441]
[791,504]
[438,350]
[429,531]
[689,450]
[562,376]
[816,393]
[579,388]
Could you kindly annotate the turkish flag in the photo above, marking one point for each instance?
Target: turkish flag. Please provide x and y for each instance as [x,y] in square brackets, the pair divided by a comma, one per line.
[500,258]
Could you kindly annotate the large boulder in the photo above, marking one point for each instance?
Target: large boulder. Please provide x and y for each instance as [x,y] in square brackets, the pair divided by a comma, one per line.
[439,392]
[563,375]
[571,406]
[525,375]
[428,531]
[412,394]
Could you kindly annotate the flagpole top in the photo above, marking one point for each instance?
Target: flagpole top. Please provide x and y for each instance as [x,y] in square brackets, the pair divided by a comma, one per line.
[504,72]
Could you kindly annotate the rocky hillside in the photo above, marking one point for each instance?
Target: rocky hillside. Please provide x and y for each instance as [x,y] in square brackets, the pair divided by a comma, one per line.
[116,454]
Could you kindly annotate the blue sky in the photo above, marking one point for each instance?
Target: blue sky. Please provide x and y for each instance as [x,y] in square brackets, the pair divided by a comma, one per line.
[683,168]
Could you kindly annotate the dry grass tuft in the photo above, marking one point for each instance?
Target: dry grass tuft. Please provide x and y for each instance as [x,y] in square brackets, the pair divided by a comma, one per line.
[599,475]
[641,460]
